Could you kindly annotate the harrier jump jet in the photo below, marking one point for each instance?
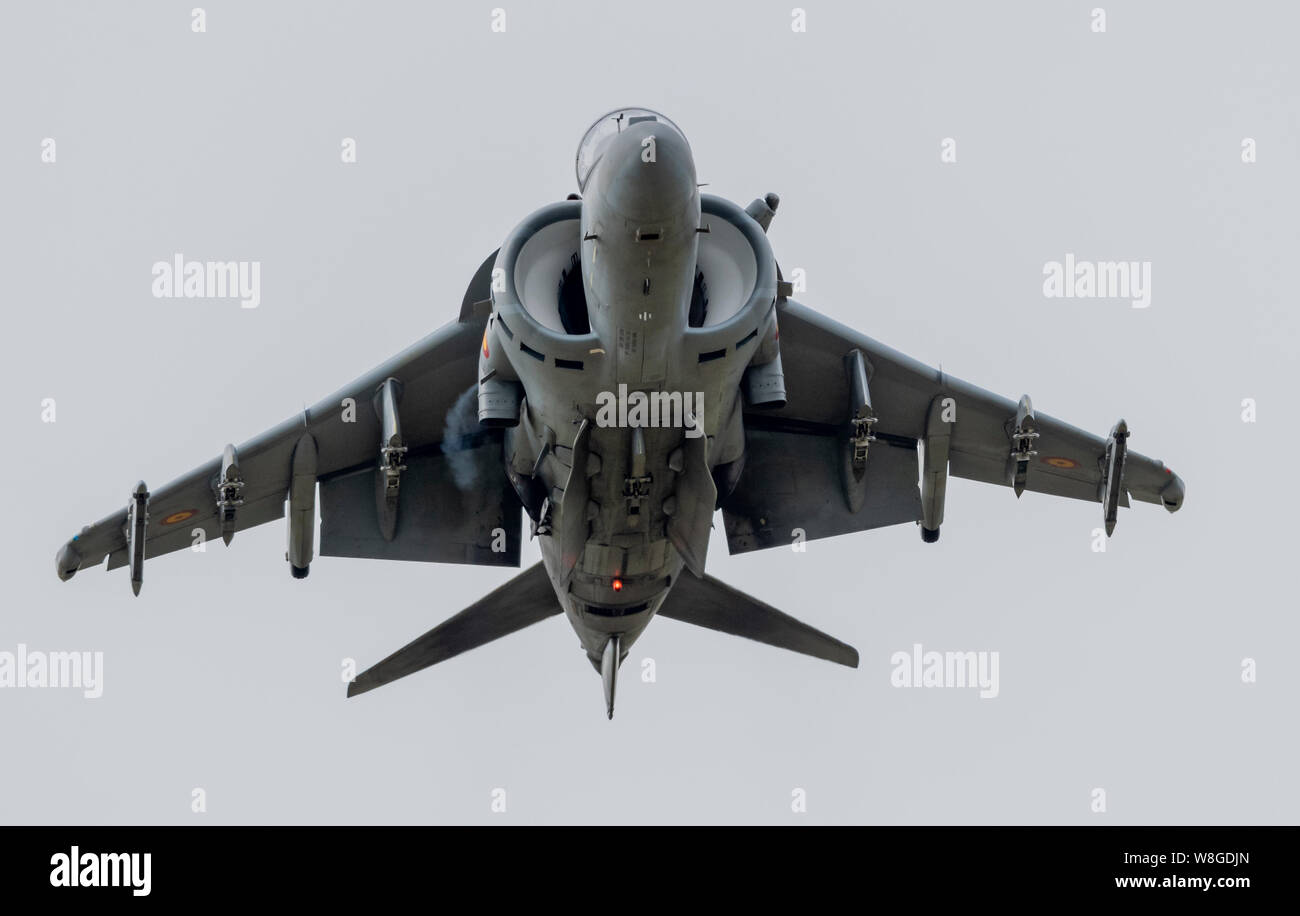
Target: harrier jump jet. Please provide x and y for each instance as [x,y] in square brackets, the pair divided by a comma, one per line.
[629,361]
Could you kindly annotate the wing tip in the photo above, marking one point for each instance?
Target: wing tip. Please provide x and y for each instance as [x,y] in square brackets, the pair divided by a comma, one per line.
[1173,493]
[66,562]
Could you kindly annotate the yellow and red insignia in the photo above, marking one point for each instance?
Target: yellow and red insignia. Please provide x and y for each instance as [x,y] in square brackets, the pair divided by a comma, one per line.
[180,516]
[485,346]
[1059,462]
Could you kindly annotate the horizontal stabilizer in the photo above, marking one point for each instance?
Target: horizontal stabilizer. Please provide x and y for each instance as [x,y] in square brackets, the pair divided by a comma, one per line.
[524,600]
[706,602]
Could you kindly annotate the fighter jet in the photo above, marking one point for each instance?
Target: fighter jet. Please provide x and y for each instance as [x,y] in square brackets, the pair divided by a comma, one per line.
[629,361]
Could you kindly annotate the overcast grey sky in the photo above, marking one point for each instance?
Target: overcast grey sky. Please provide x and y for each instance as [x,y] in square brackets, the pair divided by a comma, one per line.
[1119,670]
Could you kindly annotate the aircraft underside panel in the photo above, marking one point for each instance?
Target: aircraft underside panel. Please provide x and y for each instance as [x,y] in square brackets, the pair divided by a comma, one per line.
[451,509]
[973,466]
[792,487]
[1060,459]
[257,512]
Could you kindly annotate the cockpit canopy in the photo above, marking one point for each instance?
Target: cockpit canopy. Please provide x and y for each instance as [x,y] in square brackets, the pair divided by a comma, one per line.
[593,141]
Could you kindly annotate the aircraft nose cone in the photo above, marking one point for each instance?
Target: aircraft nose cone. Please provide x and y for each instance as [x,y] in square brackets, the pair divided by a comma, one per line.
[647,172]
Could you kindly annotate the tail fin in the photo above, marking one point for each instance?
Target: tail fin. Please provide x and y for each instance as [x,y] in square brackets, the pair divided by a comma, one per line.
[706,602]
[524,600]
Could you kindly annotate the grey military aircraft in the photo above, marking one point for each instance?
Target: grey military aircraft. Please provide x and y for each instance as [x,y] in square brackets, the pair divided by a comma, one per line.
[629,361]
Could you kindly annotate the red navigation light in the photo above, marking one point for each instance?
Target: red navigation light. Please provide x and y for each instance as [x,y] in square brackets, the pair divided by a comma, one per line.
[617,585]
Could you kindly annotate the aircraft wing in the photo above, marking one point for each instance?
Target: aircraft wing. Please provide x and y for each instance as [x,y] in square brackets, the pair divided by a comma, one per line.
[963,430]
[450,503]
